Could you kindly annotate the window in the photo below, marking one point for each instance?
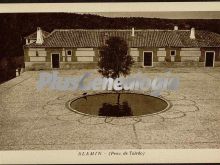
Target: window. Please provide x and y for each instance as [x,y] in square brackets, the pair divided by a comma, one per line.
[69,52]
[173,52]
[37,54]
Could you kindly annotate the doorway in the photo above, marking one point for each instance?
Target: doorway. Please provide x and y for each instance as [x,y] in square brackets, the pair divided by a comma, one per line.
[209,59]
[55,61]
[148,59]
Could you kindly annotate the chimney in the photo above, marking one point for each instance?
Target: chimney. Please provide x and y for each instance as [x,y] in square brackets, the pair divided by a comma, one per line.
[132,32]
[192,33]
[175,27]
[40,38]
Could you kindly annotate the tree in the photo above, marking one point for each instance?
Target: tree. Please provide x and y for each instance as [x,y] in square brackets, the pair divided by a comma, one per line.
[114,59]
[115,110]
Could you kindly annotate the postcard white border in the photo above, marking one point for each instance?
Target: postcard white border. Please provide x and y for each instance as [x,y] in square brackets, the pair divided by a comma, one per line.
[151,155]
[110,7]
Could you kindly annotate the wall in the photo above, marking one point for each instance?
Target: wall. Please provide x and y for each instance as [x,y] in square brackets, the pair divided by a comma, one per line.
[141,51]
[190,54]
[26,57]
[161,54]
[175,58]
[33,62]
[53,50]
[85,54]
[87,57]
[33,57]
[216,50]
[78,65]
[134,52]
[185,57]
[37,65]
[96,58]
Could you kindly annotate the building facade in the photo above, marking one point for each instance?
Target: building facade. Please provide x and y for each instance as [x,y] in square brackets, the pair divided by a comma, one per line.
[79,48]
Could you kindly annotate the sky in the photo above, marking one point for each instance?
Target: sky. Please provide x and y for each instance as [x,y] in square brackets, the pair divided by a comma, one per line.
[169,15]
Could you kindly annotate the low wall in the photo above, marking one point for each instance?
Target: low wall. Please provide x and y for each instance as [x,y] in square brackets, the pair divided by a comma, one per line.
[78,65]
[37,65]
[217,64]
[63,65]
[179,64]
[174,64]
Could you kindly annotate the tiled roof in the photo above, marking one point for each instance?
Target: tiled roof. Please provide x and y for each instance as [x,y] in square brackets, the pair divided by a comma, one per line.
[80,38]
[34,35]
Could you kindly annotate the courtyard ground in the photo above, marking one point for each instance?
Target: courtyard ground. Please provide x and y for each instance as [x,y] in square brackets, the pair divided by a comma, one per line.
[32,119]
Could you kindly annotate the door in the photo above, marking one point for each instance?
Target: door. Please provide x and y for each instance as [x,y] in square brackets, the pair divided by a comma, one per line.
[209,59]
[148,57]
[55,60]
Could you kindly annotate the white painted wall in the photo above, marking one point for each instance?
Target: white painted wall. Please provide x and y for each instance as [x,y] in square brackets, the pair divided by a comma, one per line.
[37,59]
[189,58]
[69,59]
[63,52]
[190,54]
[161,54]
[83,53]
[41,52]
[84,59]
[161,59]
[134,53]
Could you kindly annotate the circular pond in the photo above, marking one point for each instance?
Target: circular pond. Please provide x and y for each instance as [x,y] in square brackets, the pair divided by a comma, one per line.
[118,104]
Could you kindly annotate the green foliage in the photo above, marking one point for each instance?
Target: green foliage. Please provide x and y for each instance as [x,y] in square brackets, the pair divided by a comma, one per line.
[114,58]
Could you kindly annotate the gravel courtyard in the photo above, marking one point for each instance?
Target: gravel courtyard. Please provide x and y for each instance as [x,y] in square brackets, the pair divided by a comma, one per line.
[39,120]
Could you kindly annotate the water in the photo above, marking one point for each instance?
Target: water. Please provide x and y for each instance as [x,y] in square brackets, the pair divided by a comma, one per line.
[115,105]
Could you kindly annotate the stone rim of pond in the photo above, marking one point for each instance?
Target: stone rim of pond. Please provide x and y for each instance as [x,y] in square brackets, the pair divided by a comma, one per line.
[68,104]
